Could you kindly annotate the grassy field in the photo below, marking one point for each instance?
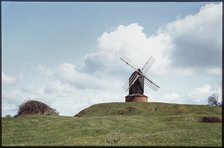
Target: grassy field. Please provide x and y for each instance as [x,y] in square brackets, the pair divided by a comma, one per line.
[120,124]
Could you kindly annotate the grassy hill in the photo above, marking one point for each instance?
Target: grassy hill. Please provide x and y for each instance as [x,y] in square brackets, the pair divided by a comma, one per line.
[123,124]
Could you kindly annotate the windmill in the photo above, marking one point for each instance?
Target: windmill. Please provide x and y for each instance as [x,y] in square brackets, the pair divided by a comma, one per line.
[135,84]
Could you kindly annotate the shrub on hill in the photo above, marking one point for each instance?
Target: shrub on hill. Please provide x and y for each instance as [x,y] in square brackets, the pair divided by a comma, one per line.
[33,107]
[210,119]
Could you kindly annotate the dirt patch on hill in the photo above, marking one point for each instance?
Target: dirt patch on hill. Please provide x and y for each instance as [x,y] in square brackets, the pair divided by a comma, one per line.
[126,111]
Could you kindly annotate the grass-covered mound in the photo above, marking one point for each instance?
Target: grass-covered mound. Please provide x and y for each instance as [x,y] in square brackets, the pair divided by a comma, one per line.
[33,107]
[120,124]
[145,109]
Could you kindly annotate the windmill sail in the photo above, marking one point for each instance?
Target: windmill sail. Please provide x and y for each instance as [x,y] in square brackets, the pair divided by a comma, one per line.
[128,61]
[151,84]
[130,81]
[133,81]
[148,65]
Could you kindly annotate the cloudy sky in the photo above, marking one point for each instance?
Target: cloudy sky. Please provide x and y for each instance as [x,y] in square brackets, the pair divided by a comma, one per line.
[67,55]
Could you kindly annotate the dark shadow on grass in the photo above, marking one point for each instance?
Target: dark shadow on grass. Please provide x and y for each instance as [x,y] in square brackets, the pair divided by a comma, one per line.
[210,120]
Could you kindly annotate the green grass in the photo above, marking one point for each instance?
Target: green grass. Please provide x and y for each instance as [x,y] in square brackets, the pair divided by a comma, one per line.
[121,124]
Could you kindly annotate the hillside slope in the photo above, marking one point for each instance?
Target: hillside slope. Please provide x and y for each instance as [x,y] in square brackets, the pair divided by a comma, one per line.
[146,109]
[123,124]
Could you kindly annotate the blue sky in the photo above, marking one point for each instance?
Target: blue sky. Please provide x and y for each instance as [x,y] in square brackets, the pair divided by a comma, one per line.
[75,26]
[67,54]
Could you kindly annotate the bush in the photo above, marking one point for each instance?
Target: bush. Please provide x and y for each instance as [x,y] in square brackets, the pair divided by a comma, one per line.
[32,107]
[210,119]
[213,100]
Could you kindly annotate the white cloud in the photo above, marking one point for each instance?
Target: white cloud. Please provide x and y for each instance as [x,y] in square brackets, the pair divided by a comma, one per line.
[7,79]
[68,73]
[19,95]
[59,89]
[203,90]
[69,100]
[201,94]
[74,102]
[171,98]
[21,76]
[198,95]
[68,92]
[214,71]
[8,109]
[11,99]
[132,42]
[43,69]
[184,72]
[185,46]
[197,38]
